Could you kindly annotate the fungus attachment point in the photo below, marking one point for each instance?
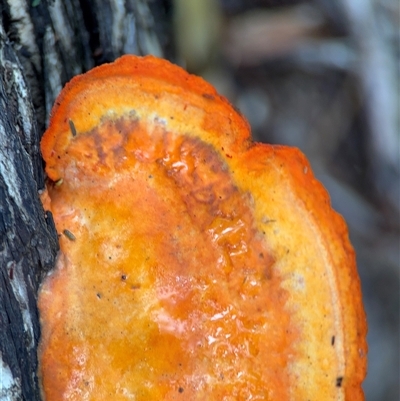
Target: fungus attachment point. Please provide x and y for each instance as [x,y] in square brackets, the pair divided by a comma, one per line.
[194,262]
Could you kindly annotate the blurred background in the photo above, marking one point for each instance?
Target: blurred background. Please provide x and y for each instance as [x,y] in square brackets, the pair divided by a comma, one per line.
[322,75]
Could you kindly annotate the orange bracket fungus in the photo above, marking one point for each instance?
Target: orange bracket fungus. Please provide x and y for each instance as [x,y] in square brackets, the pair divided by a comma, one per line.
[195,264]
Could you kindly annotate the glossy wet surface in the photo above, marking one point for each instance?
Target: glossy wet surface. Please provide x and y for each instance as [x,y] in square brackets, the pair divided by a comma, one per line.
[168,289]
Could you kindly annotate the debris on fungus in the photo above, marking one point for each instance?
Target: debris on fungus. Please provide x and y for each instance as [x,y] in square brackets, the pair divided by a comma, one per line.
[201,263]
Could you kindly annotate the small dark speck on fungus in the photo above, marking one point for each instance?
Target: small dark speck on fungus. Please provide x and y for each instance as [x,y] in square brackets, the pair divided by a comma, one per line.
[72,127]
[69,235]
[208,96]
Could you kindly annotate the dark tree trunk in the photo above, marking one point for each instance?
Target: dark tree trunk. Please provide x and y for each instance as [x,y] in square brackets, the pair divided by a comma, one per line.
[44,43]
[28,242]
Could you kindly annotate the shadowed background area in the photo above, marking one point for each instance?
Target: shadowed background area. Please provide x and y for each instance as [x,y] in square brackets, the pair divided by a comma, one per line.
[321,75]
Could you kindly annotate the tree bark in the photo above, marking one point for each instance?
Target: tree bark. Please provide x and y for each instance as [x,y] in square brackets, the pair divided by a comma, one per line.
[44,43]
[28,242]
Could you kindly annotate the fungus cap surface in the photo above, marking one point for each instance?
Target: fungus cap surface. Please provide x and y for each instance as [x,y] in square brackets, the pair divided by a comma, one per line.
[194,264]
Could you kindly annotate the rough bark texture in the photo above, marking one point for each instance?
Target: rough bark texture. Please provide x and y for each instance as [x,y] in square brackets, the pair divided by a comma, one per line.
[28,242]
[42,45]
